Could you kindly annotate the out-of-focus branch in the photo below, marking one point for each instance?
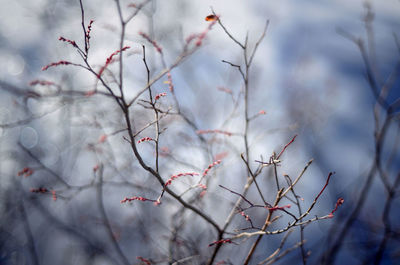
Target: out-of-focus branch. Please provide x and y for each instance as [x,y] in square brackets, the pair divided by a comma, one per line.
[105,218]
[276,252]
[298,178]
[387,233]
[265,226]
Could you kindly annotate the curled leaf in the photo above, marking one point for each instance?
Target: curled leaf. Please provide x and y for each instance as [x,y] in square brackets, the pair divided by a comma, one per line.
[211,18]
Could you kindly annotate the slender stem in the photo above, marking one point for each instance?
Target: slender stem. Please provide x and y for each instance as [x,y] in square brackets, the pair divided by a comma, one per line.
[386,220]
[247,119]
[254,179]
[83,26]
[30,237]
[296,197]
[121,45]
[265,226]
[105,219]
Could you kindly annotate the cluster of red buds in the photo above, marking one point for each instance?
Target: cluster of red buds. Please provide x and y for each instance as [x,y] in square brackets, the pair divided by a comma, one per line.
[41,82]
[204,190]
[169,181]
[339,202]
[153,42]
[87,35]
[145,261]
[44,190]
[137,198]
[53,194]
[44,68]
[39,190]
[214,131]
[245,215]
[210,166]
[222,241]
[271,209]
[72,42]
[134,198]
[169,82]
[158,96]
[145,139]
[110,59]
[202,35]
[199,37]
[26,172]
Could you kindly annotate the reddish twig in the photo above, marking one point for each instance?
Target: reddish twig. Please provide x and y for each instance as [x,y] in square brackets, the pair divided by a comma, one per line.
[153,42]
[339,202]
[222,241]
[214,131]
[137,198]
[284,148]
[109,60]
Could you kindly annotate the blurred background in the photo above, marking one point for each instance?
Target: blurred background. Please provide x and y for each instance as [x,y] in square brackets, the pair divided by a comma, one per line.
[326,71]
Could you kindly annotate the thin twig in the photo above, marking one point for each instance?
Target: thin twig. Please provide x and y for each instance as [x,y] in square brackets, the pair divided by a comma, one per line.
[106,219]
[254,178]
[227,32]
[298,178]
[259,41]
[265,226]
[276,252]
